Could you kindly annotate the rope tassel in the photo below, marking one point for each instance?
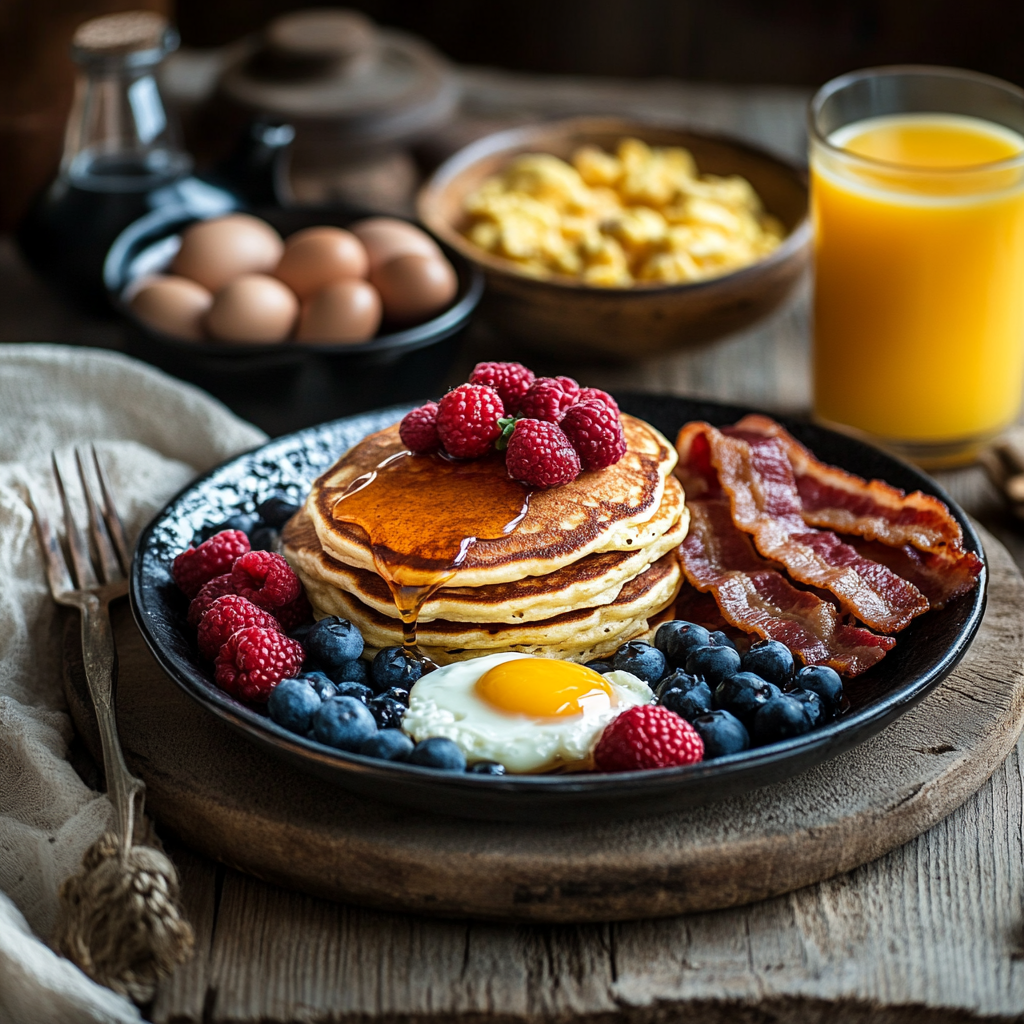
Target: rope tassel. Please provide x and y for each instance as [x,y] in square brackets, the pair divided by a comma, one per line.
[120,919]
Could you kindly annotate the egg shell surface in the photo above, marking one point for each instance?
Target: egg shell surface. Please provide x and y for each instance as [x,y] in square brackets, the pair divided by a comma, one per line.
[345,312]
[214,252]
[173,305]
[447,702]
[387,237]
[254,308]
[316,257]
[414,288]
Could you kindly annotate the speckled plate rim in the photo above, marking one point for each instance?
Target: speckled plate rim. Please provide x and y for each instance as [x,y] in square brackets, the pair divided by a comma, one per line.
[520,796]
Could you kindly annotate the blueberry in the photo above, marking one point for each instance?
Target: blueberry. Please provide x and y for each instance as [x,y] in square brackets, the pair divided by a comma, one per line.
[722,734]
[239,521]
[276,511]
[770,660]
[301,632]
[713,663]
[689,703]
[360,691]
[486,768]
[333,641]
[597,666]
[344,723]
[438,752]
[641,660]
[323,686]
[743,695]
[782,717]
[354,671]
[677,680]
[293,703]
[265,538]
[387,712]
[394,666]
[719,639]
[677,638]
[825,682]
[388,744]
[400,694]
[813,704]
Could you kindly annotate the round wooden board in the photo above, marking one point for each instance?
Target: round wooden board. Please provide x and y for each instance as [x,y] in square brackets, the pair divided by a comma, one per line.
[230,801]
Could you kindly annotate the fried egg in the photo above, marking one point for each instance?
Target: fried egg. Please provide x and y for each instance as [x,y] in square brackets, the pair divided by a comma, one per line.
[528,713]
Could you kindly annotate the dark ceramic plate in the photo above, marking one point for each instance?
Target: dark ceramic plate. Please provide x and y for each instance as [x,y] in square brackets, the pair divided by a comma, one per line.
[924,654]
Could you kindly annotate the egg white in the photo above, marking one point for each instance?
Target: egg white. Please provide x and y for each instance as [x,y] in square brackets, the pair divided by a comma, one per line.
[445,703]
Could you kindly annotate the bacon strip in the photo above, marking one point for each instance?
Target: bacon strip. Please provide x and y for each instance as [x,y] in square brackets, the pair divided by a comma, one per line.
[933,574]
[832,498]
[755,473]
[755,596]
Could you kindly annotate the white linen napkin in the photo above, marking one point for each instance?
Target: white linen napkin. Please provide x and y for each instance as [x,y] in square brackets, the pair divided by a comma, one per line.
[153,435]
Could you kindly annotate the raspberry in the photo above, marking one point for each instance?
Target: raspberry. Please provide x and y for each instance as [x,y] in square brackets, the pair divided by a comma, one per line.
[594,430]
[570,387]
[467,420]
[540,455]
[295,613]
[547,399]
[227,615]
[510,380]
[208,593]
[254,660]
[589,394]
[648,736]
[266,579]
[418,429]
[214,557]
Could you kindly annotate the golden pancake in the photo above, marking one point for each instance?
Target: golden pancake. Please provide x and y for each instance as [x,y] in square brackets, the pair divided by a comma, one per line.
[613,509]
[588,582]
[579,630]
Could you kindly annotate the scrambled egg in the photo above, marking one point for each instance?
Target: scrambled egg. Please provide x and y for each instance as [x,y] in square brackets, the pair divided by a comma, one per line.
[639,216]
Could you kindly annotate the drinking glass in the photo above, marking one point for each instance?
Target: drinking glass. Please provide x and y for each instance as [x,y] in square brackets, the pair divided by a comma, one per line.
[917,198]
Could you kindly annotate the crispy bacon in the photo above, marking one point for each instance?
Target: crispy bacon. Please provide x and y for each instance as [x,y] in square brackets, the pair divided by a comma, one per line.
[753,595]
[836,500]
[939,579]
[754,471]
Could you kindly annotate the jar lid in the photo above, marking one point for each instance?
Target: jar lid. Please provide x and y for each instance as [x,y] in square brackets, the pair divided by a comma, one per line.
[143,36]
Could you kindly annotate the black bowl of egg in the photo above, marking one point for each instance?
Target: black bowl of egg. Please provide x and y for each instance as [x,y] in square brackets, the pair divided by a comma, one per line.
[293,316]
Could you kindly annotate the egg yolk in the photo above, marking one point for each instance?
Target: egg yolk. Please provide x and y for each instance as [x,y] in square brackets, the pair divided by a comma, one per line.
[543,687]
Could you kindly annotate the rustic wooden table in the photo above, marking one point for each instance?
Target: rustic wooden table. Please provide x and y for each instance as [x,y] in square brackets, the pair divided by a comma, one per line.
[930,932]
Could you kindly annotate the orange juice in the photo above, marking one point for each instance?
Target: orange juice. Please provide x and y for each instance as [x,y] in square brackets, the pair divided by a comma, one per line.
[919,277]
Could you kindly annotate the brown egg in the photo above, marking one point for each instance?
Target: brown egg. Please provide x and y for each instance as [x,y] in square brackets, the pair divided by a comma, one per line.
[386,237]
[254,308]
[215,252]
[173,305]
[345,312]
[317,257]
[413,287]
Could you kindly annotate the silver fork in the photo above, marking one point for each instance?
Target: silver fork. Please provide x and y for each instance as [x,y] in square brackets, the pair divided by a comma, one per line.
[89,583]
[119,917]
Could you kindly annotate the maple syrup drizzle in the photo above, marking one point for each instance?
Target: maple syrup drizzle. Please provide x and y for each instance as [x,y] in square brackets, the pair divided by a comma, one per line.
[423,515]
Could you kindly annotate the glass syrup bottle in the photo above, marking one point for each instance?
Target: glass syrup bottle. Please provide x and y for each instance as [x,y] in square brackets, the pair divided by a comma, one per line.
[121,160]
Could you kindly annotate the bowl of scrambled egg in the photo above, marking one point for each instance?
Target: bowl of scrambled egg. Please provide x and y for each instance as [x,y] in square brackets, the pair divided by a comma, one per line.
[621,239]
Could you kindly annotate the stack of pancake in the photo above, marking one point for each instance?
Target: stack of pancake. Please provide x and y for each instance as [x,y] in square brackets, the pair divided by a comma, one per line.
[592,565]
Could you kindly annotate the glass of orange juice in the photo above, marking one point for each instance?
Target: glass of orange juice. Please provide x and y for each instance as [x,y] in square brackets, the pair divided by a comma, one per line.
[917,197]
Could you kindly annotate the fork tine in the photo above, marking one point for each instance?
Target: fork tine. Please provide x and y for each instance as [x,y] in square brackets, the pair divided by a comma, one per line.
[115,528]
[85,577]
[56,567]
[106,561]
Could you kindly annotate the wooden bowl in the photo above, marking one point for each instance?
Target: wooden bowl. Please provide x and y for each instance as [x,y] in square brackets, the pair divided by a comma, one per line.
[559,315]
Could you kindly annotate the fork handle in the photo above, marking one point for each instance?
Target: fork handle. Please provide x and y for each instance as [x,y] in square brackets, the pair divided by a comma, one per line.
[100,657]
